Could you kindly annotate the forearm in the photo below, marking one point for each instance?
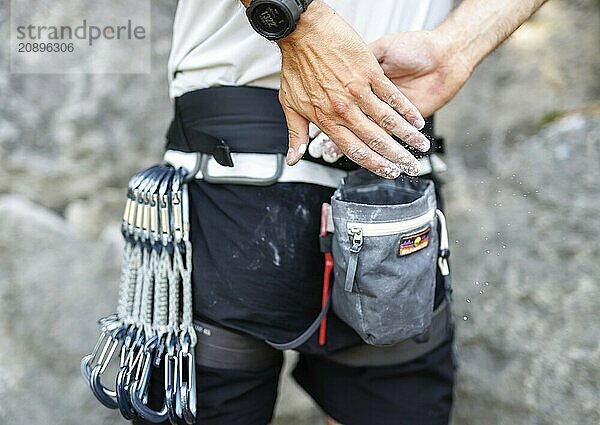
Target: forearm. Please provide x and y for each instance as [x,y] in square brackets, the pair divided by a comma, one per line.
[330,77]
[476,27]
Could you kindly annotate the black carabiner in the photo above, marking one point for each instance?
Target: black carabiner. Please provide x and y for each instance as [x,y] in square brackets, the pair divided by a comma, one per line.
[134,340]
[140,387]
[122,390]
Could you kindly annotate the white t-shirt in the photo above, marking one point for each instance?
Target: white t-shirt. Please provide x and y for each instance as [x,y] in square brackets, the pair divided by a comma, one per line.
[214,45]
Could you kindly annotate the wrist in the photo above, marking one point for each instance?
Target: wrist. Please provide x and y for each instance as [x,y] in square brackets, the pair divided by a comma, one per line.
[454,48]
[273,19]
[315,15]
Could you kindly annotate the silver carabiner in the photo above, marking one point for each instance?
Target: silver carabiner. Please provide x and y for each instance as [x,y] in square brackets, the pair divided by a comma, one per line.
[187,379]
[104,395]
[108,324]
[141,212]
[172,395]
[129,213]
[164,204]
[135,210]
[176,206]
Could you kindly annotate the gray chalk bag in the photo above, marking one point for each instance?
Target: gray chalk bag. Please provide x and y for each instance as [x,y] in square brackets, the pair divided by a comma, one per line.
[385,249]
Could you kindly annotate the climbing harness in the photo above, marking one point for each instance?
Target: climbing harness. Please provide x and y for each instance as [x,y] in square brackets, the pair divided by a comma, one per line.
[153,323]
[152,330]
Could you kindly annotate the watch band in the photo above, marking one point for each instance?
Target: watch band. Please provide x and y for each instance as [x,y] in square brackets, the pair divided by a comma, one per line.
[305,4]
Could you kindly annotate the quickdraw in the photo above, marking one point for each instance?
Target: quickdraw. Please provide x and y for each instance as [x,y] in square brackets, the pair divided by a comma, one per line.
[152,324]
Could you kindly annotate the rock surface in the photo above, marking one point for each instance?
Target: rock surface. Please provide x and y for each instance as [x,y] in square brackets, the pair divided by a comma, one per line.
[54,284]
[522,204]
[526,283]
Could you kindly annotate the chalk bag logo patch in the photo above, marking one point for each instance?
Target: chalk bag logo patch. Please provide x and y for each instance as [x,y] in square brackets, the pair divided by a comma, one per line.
[414,242]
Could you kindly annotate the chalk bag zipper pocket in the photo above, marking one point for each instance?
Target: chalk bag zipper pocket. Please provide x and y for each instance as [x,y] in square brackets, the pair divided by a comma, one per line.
[416,234]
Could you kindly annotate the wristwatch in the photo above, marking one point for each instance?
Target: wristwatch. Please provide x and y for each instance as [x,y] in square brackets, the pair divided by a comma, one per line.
[275,19]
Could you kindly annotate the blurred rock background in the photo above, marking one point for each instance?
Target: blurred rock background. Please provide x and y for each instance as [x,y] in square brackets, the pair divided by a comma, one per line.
[523,205]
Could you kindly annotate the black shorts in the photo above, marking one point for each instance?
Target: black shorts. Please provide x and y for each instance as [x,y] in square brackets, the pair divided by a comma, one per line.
[235,391]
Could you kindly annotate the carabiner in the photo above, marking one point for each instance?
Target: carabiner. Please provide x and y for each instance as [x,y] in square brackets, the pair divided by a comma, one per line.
[156,203]
[171,380]
[104,395]
[108,324]
[140,387]
[141,217]
[176,206]
[122,390]
[129,360]
[164,193]
[185,207]
[135,210]
[187,379]
[130,372]
[130,204]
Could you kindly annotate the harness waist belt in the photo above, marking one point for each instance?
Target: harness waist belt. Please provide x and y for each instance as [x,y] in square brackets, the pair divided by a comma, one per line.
[266,169]
[220,121]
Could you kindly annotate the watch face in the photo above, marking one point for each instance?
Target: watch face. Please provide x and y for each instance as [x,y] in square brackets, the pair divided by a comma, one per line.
[270,18]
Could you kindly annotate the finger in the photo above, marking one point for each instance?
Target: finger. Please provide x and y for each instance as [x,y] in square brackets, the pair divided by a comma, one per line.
[331,155]
[331,152]
[385,90]
[389,120]
[316,146]
[297,133]
[360,153]
[313,130]
[382,143]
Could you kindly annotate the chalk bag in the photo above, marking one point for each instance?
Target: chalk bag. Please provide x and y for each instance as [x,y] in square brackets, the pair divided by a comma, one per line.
[388,237]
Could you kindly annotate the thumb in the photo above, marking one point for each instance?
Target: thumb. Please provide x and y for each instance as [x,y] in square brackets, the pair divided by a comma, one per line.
[298,135]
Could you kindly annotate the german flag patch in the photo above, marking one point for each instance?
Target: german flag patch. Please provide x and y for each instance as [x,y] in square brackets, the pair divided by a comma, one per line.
[414,242]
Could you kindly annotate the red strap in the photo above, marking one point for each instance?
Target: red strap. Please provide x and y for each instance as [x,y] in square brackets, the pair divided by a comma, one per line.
[326,279]
[326,275]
